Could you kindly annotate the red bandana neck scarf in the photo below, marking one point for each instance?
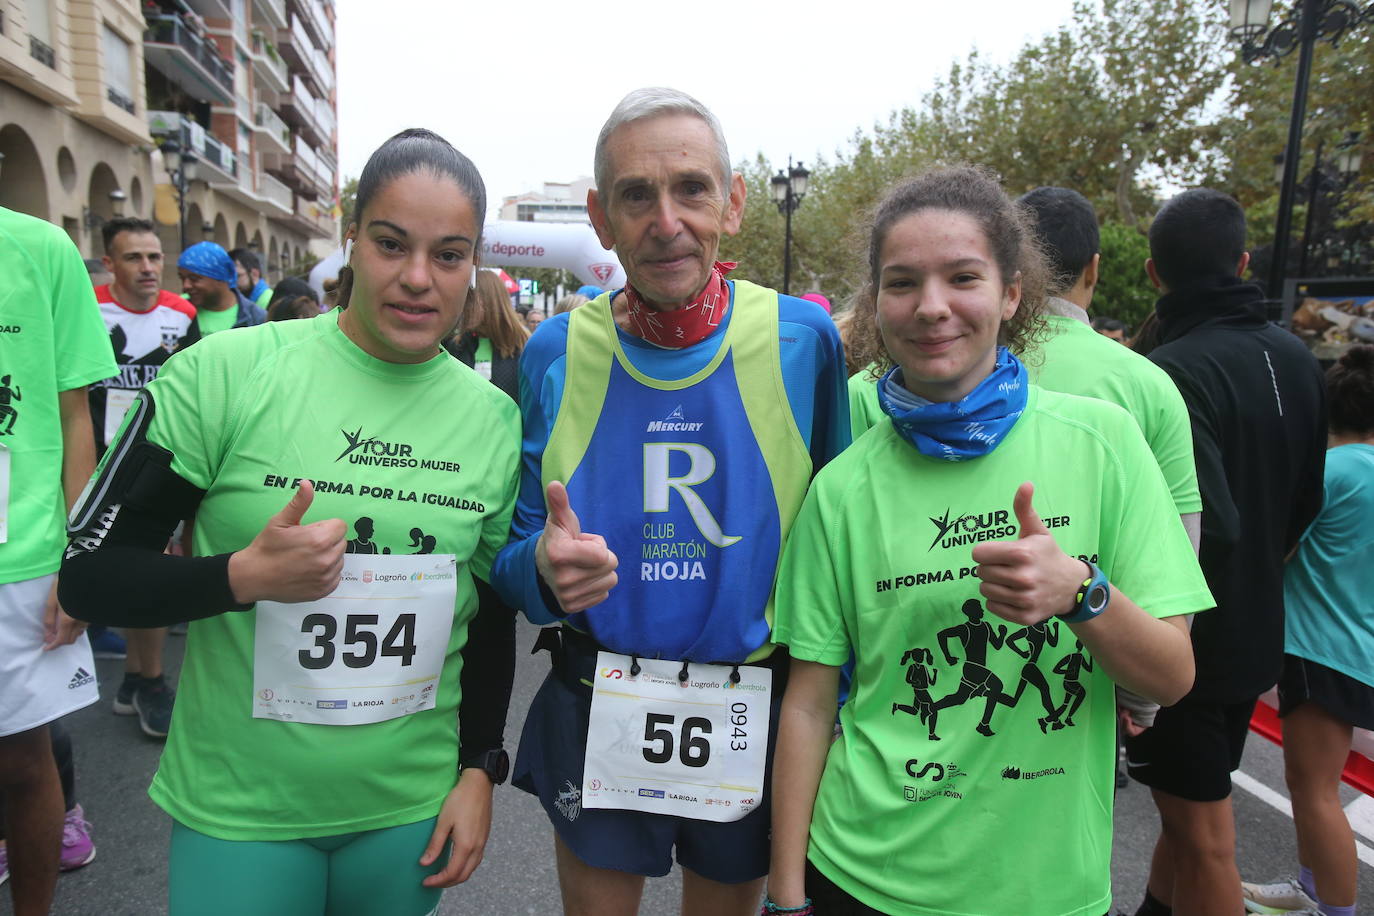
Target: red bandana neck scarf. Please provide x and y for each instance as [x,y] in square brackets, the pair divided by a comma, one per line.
[692,323]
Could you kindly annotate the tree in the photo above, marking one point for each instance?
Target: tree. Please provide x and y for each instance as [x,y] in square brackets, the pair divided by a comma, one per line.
[348,200]
[1123,289]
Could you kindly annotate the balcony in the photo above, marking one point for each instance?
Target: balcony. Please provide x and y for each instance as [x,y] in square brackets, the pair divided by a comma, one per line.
[42,53]
[260,192]
[268,65]
[192,62]
[118,98]
[313,218]
[302,171]
[271,12]
[275,194]
[301,110]
[193,136]
[301,54]
[312,17]
[271,129]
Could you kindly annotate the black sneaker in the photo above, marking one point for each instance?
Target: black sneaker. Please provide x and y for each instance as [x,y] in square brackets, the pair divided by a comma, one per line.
[153,701]
[124,696]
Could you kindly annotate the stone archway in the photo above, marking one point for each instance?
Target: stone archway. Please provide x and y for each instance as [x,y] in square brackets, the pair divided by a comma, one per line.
[23,187]
[221,236]
[240,235]
[103,181]
[274,264]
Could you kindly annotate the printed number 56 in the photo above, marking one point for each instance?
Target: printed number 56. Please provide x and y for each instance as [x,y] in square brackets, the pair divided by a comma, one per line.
[694,749]
[361,643]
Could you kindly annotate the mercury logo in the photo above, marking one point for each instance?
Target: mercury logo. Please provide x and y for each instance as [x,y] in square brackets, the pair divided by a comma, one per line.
[675,422]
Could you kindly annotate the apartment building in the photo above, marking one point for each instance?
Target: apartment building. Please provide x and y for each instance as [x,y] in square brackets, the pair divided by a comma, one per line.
[557,202]
[93,91]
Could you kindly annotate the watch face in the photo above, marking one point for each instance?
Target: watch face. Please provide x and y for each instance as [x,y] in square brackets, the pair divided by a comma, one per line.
[1097,597]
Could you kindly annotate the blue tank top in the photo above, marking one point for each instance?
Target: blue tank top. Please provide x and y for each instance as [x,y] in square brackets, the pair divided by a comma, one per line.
[693,483]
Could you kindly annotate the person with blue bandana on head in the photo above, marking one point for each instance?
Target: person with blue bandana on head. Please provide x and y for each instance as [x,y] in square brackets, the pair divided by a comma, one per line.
[210,280]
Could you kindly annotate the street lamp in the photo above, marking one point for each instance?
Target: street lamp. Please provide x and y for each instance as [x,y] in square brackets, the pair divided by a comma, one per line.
[1309,21]
[788,190]
[181,169]
[94,220]
[1348,157]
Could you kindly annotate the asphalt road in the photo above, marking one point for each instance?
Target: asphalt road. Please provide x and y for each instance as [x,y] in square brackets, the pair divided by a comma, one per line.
[115,763]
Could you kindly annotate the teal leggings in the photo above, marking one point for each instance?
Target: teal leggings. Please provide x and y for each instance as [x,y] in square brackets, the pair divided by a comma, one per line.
[371,873]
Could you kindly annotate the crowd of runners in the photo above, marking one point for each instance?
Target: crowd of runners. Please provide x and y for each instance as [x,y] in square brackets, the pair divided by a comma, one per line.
[843,615]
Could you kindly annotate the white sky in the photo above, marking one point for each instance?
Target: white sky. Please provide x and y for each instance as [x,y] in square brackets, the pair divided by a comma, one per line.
[523,86]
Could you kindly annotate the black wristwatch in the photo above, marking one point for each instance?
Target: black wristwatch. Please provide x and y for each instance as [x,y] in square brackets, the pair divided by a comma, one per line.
[496,764]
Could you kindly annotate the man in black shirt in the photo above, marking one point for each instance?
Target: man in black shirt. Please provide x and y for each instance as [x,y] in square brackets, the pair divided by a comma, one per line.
[1256,400]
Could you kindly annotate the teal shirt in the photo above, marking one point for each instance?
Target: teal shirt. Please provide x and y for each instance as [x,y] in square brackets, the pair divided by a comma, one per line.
[1328,586]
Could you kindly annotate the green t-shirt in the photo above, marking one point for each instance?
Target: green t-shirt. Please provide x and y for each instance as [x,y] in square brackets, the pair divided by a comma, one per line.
[920,812]
[864,410]
[52,339]
[212,322]
[428,446]
[1078,360]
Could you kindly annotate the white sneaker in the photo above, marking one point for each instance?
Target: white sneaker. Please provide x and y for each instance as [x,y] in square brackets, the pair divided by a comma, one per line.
[1280,897]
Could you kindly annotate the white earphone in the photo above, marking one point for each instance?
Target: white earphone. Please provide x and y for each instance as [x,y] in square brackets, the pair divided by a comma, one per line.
[348,252]
[473,284]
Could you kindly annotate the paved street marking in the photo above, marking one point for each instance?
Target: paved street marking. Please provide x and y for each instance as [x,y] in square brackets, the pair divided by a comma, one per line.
[1360,811]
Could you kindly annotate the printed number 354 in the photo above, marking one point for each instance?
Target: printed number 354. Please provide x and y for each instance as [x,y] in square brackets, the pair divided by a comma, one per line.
[360,642]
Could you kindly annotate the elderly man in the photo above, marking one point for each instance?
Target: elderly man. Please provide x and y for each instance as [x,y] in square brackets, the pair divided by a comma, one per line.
[210,280]
[696,411]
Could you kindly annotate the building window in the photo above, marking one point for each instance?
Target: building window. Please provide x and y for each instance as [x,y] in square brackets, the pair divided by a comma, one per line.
[119,81]
[40,33]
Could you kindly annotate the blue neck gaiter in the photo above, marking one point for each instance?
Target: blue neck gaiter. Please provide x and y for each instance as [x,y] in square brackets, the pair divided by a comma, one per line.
[963,429]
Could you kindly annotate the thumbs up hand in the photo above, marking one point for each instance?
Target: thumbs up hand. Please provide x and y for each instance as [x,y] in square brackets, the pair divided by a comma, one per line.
[1029,579]
[579,568]
[288,561]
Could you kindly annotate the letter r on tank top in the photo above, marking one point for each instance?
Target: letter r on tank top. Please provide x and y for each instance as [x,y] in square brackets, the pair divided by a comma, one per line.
[659,484]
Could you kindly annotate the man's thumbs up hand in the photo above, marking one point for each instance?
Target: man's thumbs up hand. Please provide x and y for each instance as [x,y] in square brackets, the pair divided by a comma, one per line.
[1030,579]
[578,568]
[289,561]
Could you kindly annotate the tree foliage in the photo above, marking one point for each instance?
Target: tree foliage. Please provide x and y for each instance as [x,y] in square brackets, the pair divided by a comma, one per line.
[1125,103]
[1123,288]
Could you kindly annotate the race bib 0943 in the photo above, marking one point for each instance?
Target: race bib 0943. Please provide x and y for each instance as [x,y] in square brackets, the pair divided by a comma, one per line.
[693,748]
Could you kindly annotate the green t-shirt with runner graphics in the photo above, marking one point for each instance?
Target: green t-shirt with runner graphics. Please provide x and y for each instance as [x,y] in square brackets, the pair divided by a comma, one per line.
[975,771]
[416,459]
[52,339]
[1078,360]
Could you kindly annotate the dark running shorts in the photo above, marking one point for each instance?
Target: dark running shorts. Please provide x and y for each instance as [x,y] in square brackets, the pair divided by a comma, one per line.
[549,765]
[1339,694]
[1192,749]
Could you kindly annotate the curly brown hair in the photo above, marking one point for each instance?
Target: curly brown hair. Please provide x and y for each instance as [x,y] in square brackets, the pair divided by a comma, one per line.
[1350,391]
[976,193]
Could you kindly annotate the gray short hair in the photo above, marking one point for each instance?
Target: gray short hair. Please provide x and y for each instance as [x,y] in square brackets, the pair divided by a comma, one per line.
[651,103]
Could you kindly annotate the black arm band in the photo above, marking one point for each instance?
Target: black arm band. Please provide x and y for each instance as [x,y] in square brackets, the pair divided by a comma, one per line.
[115,570]
[488,672]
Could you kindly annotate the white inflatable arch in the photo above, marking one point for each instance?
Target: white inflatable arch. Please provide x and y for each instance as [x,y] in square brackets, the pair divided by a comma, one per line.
[567,246]
[507,243]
